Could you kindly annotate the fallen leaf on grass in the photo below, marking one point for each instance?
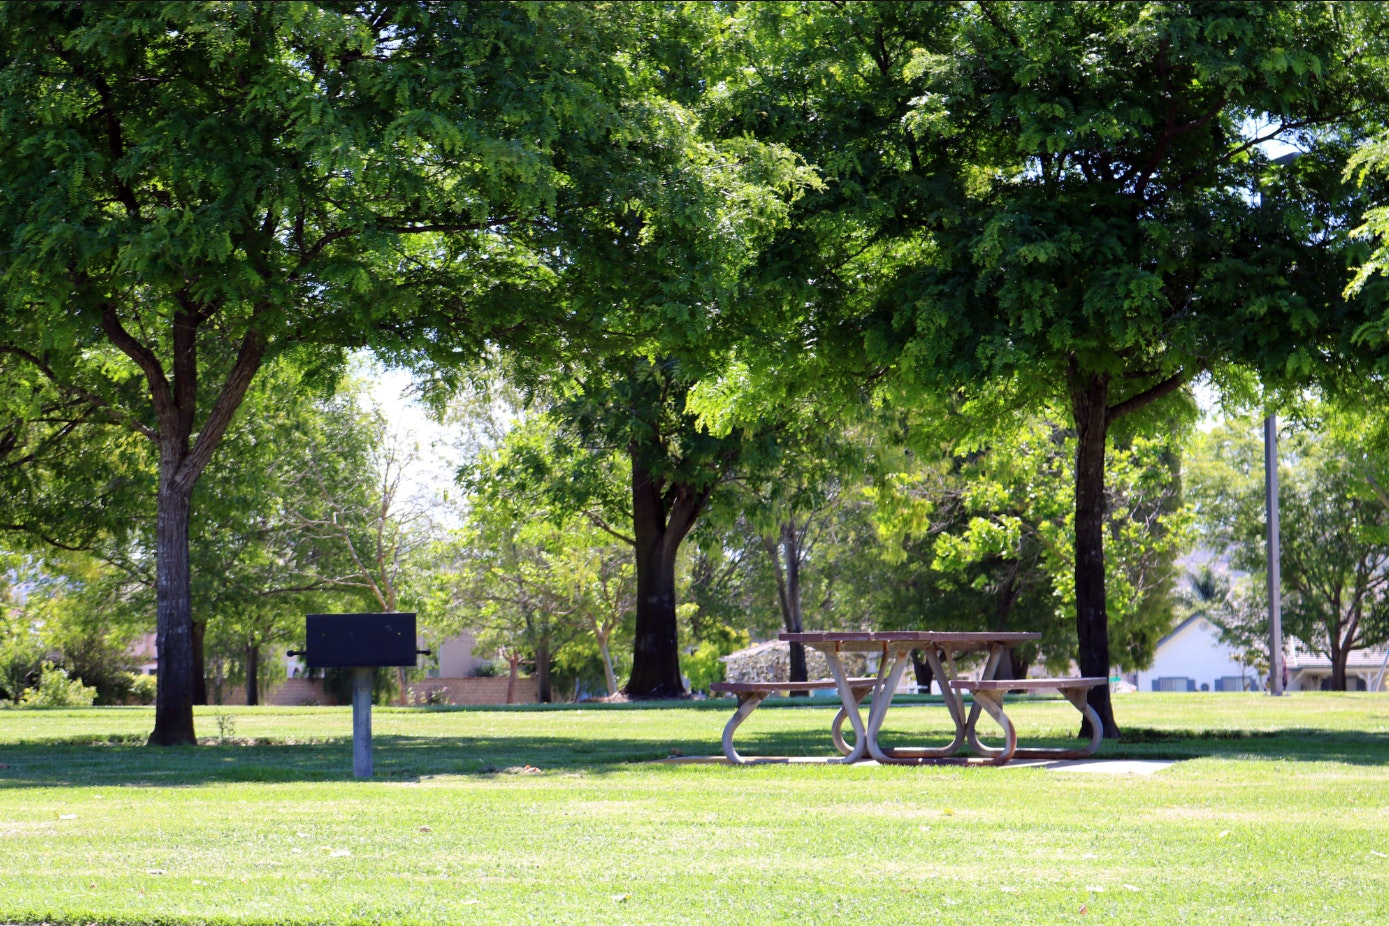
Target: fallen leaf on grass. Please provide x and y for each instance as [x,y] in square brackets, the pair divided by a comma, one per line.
[338,853]
[1131,889]
[621,898]
[1223,834]
[1089,855]
[1083,909]
[1095,889]
[530,769]
[1378,854]
[675,753]
[156,871]
[426,829]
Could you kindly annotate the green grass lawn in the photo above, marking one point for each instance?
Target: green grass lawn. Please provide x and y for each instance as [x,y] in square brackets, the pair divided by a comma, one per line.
[1280,815]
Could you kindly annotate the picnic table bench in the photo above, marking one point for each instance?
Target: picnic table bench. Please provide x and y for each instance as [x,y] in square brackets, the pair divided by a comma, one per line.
[751,694]
[989,693]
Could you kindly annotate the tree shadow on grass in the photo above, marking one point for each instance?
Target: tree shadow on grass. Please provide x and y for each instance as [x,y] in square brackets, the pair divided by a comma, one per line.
[128,762]
[125,760]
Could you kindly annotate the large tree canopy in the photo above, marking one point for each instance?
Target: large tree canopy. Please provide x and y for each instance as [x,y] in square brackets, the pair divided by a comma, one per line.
[1065,197]
[189,189]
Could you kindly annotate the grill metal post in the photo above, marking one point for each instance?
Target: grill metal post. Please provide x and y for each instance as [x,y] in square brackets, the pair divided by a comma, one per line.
[362,679]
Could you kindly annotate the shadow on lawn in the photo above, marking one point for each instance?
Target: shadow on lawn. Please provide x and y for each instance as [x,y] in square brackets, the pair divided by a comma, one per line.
[126,762]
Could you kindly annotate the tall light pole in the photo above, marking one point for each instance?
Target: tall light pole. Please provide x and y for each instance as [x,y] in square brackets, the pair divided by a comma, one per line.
[1275,583]
[1275,579]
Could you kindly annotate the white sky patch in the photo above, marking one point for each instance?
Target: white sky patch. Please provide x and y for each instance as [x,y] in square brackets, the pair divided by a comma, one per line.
[432,474]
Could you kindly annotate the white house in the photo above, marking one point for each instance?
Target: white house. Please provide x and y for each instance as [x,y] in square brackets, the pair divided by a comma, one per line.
[1193,658]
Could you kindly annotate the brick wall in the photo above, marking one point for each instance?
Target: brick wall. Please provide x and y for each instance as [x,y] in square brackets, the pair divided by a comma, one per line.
[298,692]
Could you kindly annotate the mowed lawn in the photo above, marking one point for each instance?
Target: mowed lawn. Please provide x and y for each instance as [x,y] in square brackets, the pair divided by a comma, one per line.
[1278,812]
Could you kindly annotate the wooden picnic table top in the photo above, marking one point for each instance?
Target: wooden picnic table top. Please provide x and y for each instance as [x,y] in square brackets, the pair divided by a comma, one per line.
[874,639]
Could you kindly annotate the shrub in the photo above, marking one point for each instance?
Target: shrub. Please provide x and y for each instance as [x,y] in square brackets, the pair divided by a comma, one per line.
[20,661]
[143,688]
[57,689]
[704,666]
[99,660]
[491,668]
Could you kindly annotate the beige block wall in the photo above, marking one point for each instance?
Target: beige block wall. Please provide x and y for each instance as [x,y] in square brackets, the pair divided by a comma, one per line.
[476,690]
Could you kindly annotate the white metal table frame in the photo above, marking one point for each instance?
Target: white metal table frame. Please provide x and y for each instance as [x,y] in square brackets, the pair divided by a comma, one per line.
[894,647]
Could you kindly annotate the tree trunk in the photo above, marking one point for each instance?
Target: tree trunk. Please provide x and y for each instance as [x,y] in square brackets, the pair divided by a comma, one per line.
[660,521]
[173,702]
[1006,596]
[199,663]
[542,670]
[1090,406]
[218,676]
[655,652]
[1339,656]
[786,565]
[609,675]
[252,674]
[181,461]
[514,663]
[922,670]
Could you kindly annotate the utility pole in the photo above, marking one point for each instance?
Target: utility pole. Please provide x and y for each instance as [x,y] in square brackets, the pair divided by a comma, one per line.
[1275,578]
[1275,582]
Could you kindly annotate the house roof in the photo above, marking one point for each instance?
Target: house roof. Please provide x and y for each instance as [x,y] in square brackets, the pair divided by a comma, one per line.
[1179,628]
[1299,658]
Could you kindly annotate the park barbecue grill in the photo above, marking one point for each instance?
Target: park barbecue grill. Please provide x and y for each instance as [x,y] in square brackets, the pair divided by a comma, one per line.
[362,643]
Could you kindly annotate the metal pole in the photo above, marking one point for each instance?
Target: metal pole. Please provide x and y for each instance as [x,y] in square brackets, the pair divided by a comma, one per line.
[1275,579]
[362,679]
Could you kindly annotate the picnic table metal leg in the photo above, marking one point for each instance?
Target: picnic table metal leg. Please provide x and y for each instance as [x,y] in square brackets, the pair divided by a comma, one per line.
[990,670]
[952,703]
[837,729]
[992,704]
[889,674]
[849,708]
[747,703]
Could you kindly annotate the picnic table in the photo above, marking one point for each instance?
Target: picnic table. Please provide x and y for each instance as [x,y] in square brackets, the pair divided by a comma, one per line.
[940,649]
